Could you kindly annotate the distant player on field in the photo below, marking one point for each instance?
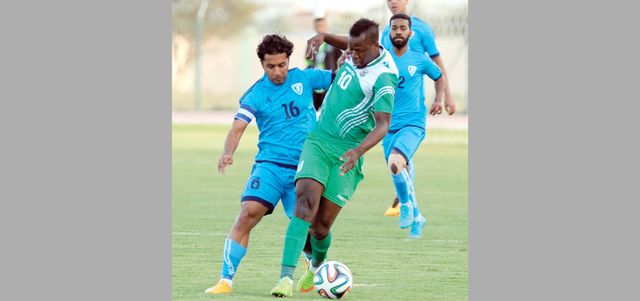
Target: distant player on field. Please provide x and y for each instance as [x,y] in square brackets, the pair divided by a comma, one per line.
[408,121]
[282,104]
[422,40]
[354,117]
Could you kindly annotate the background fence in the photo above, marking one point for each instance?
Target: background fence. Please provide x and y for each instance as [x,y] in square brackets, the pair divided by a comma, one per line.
[226,64]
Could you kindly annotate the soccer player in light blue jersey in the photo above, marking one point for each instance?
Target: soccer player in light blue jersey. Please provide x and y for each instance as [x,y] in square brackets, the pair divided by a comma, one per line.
[423,40]
[408,120]
[281,102]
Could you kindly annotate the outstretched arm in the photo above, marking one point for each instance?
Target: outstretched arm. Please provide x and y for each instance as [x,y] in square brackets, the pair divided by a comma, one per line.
[439,84]
[230,145]
[382,127]
[334,40]
[449,104]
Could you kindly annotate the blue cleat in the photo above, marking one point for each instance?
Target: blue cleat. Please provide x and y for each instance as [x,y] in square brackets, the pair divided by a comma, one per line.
[406,216]
[416,228]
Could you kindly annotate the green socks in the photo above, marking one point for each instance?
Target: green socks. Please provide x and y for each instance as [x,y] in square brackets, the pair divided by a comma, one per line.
[294,241]
[319,249]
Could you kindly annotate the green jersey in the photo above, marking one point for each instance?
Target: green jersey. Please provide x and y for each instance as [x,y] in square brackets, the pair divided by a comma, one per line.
[347,115]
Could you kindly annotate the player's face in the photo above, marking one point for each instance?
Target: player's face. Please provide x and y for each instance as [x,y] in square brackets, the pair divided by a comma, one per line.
[276,67]
[321,26]
[399,32]
[397,6]
[362,52]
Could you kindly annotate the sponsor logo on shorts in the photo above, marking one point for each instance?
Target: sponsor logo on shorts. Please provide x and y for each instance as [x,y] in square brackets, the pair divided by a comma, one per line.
[300,166]
[342,198]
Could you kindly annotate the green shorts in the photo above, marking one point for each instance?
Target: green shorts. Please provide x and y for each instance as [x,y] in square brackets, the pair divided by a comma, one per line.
[320,160]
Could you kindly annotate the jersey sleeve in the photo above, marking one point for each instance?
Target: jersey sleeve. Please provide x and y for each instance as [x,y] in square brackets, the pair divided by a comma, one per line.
[430,68]
[318,79]
[247,110]
[429,40]
[384,90]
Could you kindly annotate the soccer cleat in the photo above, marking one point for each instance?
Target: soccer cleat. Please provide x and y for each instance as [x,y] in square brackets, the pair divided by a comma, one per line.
[394,209]
[405,217]
[305,284]
[284,288]
[416,228]
[220,288]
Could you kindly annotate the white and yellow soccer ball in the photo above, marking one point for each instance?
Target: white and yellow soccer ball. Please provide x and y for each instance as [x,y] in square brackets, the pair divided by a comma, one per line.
[333,280]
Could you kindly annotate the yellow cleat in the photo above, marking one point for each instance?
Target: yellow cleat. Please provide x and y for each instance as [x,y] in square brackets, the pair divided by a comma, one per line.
[220,288]
[394,209]
[284,288]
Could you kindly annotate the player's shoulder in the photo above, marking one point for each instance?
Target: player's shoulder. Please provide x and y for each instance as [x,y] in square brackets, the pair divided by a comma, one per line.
[419,25]
[253,90]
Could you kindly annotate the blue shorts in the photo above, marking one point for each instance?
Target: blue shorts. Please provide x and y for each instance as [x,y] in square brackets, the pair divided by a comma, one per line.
[270,182]
[405,141]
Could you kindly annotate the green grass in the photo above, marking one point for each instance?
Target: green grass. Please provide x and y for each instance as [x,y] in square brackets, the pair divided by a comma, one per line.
[384,262]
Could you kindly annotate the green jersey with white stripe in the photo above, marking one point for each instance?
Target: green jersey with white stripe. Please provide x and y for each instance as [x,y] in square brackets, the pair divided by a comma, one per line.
[347,115]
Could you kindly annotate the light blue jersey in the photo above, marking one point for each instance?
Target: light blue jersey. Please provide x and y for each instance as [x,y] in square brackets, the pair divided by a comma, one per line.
[284,113]
[409,107]
[423,39]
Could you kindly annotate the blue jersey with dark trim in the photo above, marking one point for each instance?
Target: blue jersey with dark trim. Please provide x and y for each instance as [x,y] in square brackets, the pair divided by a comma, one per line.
[409,107]
[284,113]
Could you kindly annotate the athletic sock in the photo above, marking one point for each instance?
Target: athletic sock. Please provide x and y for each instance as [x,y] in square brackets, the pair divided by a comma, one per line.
[402,190]
[294,241]
[319,249]
[231,257]
[412,193]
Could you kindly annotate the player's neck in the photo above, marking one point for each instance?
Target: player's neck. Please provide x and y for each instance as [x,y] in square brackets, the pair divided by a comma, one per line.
[400,51]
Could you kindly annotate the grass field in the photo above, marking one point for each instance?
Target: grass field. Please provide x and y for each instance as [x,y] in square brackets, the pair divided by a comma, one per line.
[385,263]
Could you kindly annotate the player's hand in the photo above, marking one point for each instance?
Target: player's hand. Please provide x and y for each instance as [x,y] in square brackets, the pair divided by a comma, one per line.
[223,162]
[449,104]
[345,54]
[312,46]
[352,157]
[436,108]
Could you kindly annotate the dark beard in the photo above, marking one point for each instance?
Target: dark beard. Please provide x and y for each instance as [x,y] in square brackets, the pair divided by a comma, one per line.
[399,44]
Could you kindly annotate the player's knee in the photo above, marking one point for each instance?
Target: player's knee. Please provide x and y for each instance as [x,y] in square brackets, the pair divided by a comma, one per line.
[396,163]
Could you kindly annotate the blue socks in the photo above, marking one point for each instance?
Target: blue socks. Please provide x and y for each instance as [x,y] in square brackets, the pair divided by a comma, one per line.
[233,253]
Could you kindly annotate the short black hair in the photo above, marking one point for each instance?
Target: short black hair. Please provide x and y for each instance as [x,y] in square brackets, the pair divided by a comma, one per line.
[274,44]
[401,16]
[366,26]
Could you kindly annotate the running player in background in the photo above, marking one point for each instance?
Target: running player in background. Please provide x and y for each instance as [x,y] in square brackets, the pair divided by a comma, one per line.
[423,40]
[354,117]
[282,105]
[409,118]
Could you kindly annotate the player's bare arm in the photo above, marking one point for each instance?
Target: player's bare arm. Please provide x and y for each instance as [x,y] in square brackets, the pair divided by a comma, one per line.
[439,84]
[449,104]
[337,41]
[382,128]
[230,145]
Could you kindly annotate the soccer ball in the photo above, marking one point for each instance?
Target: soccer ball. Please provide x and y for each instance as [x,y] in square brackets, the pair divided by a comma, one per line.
[333,280]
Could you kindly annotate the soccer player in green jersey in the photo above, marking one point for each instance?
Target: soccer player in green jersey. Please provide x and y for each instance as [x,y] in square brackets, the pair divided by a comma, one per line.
[354,117]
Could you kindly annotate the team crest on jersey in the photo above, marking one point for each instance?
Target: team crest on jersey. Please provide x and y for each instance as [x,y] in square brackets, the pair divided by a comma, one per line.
[297,88]
[363,73]
[268,100]
[412,70]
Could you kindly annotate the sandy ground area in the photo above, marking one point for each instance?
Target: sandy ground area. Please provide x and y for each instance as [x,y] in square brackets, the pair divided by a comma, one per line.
[226,117]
